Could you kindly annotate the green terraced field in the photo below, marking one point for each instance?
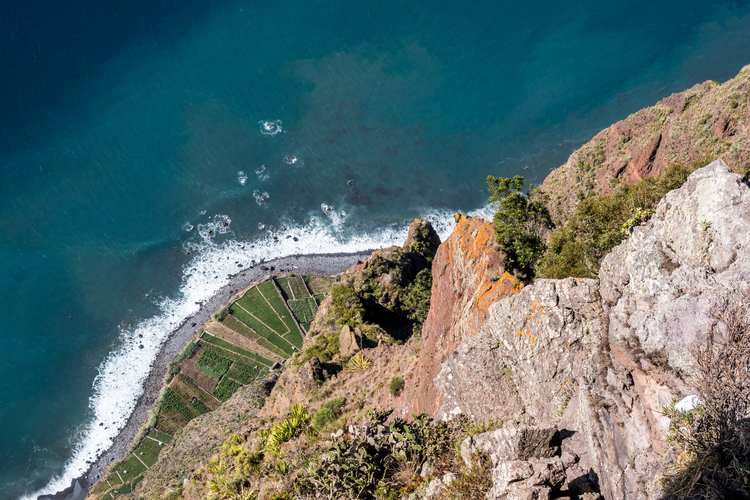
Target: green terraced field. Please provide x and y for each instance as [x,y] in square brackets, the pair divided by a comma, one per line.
[252,322]
[160,436]
[295,337]
[245,373]
[213,364]
[195,391]
[131,469]
[298,287]
[241,328]
[304,309]
[254,301]
[285,288]
[238,350]
[269,292]
[225,389]
[269,335]
[149,451]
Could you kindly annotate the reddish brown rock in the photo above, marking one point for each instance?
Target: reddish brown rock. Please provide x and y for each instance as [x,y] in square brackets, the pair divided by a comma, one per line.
[468,276]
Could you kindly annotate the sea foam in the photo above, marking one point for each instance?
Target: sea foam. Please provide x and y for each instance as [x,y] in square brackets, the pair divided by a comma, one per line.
[119,384]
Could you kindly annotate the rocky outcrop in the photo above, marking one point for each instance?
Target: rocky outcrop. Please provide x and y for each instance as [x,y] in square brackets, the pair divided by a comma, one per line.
[513,441]
[468,277]
[349,341]
[707,121]
[600,359]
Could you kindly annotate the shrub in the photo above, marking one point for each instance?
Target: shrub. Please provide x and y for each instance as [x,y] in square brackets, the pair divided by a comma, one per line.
[519,221]
[347,307]
[715,438]
[221,314]
[396,386]
[187,352]
[415,298]
[602,222]
[322,418]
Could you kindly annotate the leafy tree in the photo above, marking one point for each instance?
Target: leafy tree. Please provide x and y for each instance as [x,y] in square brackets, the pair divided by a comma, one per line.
[520,221]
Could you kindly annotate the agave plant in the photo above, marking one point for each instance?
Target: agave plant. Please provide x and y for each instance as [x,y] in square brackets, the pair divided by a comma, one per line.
[245,494]
[359,362]
[298,411]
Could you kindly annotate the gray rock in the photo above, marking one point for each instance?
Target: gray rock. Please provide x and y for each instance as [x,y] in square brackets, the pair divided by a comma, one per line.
[349,342]
[434,489]
[532,479]
[514,441]
[601,359]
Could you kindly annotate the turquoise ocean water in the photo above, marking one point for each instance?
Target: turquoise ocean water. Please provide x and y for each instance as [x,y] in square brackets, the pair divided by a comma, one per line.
[129,131]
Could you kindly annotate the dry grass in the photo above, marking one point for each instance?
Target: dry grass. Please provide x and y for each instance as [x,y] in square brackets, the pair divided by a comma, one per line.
[713,440]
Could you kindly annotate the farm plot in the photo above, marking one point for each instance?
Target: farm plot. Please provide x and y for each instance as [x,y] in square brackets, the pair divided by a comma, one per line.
[161,437]
[304,310]
[254,301]
[213,364]
[221,331]
[223,344]
[226,388]
[241,328]
[274,338]
[186,386]
[286,290]
[149,451]
[319,285]
[299,289]
[130,469]
[268,290]
[190,368]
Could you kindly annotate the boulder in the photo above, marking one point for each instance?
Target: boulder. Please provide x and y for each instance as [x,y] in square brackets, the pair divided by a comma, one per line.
[349,342]
[533,479]
[514,441]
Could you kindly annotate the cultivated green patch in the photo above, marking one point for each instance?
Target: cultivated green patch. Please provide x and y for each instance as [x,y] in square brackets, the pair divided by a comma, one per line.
[212,364]
[149,451]
[225,389]
[231,347]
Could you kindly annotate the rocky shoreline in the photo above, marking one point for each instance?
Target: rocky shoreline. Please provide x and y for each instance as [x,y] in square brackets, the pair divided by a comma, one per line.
[321,264]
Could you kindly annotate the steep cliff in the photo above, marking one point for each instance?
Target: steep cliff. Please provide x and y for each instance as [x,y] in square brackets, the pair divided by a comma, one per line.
[707,121]
[602,359]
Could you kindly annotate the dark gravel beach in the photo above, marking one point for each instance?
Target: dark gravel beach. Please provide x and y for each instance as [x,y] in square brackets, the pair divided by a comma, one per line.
[322,264]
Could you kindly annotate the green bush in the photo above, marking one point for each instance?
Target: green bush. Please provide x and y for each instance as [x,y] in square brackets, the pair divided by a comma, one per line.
[601,222]
[415,298]
[322,418]
[327,414]
[396,386]
[347,307]
[187,352]
[519,222]
[221,314]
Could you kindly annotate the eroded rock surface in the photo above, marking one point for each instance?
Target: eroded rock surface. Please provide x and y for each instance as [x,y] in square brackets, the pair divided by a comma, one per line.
[601,359]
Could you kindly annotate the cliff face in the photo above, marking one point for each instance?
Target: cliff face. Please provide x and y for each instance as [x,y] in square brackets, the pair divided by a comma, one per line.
[468,277]
[707,121]
[601,359]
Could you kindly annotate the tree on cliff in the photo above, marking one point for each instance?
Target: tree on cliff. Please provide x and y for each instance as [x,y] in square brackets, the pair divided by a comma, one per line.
[519,222]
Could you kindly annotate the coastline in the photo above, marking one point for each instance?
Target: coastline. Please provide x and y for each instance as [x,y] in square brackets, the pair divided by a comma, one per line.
[321,264]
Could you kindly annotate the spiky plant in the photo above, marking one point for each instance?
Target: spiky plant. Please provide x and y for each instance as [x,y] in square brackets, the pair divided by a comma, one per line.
[359,362]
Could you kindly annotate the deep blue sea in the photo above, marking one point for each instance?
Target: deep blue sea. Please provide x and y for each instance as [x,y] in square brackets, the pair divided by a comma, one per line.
[129,130]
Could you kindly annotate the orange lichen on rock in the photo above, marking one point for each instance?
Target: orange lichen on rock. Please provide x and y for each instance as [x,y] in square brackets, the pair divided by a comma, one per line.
[468,277]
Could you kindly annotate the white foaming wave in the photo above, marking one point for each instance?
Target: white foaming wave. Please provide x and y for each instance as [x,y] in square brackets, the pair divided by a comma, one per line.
[270,127]
[242,177]
[294,160]
[121,376]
